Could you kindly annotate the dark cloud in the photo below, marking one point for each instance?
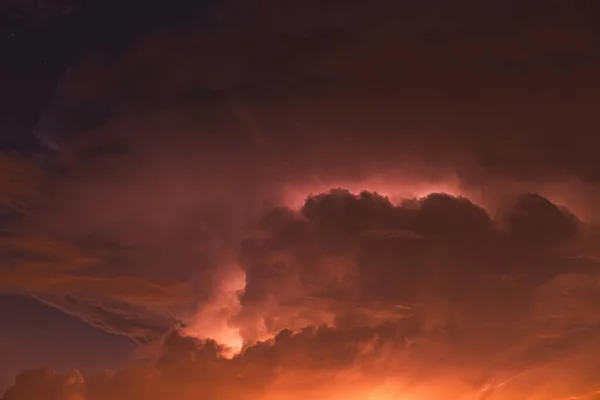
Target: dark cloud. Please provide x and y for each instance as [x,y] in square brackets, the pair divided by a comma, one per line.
[454,253]
[59,275]
[45,383]
[19,184]
[477,88]
[181,158]
[456,304]
[534,218]
[140,323]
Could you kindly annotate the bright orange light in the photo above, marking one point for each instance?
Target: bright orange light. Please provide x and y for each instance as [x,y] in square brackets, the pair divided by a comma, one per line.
[213,319]
[395,189]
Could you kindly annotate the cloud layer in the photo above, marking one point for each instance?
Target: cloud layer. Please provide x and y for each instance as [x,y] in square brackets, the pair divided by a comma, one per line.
[486,89]
[181,170]
[353,295]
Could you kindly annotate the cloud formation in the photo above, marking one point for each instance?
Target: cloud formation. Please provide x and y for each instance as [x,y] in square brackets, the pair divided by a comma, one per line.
[308,80]
[182,168]
[351,295]
[436,253]
[59,275]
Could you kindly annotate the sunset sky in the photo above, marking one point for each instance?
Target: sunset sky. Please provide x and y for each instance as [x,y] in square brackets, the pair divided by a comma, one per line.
[293,199]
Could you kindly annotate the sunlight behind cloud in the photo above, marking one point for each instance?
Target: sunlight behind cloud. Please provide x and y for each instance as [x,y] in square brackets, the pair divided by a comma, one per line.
[396,189]
[213,319]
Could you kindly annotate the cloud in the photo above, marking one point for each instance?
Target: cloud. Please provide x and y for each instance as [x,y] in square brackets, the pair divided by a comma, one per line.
[450,252]
[59,275]
[46,383]
[399,359]
[18,185]
[318,76]
[182,168]
[464,305]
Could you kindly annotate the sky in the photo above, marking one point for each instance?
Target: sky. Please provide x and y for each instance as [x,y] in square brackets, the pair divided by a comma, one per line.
[300,200]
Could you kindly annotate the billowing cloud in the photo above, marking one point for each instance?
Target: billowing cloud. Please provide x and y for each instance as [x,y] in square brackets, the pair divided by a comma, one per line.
[194,171]
[394,361]
[436,253]
[352,295]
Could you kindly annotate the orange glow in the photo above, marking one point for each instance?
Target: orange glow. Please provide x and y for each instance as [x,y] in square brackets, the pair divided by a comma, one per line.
[393,188]
[213,319]
[573,194]
[354,385]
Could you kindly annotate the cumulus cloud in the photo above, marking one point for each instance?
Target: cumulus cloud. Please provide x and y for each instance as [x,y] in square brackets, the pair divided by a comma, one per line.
[444,252]
[184,174]
[457,306]
[397,360]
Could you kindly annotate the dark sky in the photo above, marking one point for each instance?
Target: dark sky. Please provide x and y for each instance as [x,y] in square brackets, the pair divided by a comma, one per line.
[175,144]
[38,45]
[35,334]
[37,48]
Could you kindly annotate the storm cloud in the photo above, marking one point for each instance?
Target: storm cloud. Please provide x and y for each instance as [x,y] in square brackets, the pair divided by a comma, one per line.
[324,200]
